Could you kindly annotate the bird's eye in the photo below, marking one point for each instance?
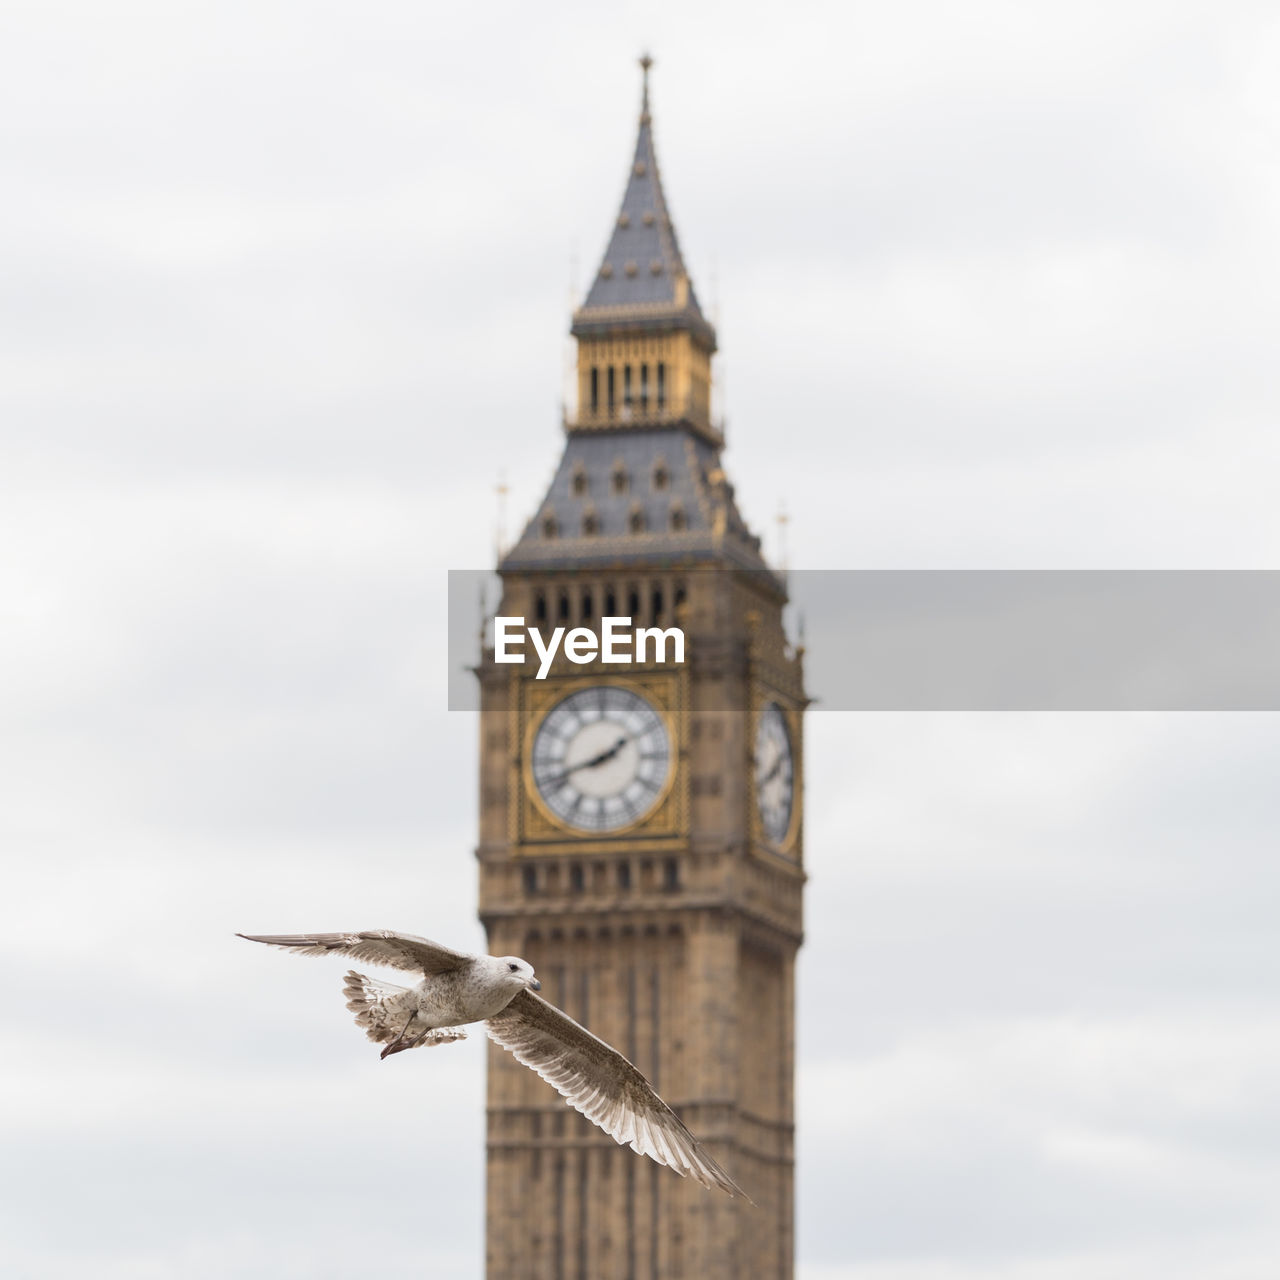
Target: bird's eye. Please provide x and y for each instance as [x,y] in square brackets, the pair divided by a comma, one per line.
[513,967]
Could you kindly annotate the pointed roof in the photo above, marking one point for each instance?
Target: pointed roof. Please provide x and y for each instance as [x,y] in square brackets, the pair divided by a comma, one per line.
[642,275]
[647,497]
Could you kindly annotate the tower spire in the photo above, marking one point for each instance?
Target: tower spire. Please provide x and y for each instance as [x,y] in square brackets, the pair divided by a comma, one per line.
[645,63]
[640,480]
[642,277]
[644,345]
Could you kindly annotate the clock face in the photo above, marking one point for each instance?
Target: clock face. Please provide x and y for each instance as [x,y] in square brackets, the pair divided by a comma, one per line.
[601,758]
[775,773]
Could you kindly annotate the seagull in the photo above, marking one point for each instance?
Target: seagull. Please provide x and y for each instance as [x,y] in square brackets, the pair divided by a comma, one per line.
[500,991]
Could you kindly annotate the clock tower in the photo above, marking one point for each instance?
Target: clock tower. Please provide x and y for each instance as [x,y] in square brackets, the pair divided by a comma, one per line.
[641,825]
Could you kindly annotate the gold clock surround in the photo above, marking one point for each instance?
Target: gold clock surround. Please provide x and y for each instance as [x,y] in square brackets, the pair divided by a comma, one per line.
[533,819]
[791,715]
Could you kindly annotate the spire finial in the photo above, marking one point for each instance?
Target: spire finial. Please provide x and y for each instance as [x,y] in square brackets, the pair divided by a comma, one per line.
[645,63]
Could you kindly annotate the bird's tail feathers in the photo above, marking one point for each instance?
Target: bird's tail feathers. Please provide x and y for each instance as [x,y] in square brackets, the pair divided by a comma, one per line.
[369,1000]
[365,998]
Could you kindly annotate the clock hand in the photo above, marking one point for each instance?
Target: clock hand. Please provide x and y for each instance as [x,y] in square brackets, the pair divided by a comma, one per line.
[607,754]
[773,773]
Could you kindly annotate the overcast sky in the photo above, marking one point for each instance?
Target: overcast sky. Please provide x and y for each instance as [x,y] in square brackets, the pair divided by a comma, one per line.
[286,286]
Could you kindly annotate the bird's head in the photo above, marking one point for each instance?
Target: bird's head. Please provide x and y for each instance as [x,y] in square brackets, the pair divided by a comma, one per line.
[519,973]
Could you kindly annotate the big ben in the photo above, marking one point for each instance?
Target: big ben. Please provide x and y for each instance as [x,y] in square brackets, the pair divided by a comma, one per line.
[641,826]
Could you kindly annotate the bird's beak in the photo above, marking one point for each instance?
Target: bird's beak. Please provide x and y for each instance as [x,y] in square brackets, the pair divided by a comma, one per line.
[533,984]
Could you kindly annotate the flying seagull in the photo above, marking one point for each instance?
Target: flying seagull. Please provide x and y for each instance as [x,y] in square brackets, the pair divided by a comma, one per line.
[457,988]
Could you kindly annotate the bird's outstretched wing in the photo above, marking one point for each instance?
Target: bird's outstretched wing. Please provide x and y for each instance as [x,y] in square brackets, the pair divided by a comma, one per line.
[598,1081]
[376,946]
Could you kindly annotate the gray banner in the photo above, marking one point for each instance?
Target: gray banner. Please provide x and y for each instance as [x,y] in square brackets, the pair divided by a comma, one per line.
[994,640]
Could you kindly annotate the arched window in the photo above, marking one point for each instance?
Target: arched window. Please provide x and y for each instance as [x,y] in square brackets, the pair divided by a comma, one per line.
[610,383]
[590,524]
[595,389]
[662,385]
[619,477]
[678,521]
[563,606]
[579,482]
[549,526]
[540,606]
[635,521]
[661,476]
[588,605]
[644,386]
